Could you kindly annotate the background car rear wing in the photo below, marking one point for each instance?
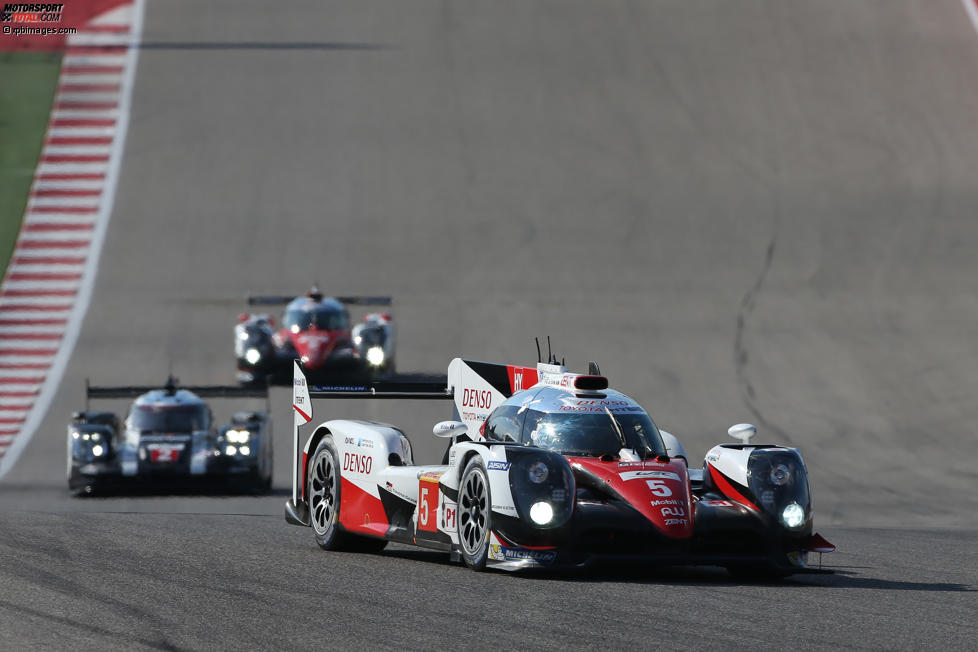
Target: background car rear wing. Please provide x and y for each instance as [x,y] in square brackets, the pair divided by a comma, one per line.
[171,385]
[349,300]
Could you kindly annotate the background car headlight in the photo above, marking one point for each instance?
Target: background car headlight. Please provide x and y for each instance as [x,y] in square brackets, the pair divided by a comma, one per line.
[252,355]
[238,436]
[97,450]
[375,356]
[245,450]
[793,515]
[538,472]
[231,450]
[541,512]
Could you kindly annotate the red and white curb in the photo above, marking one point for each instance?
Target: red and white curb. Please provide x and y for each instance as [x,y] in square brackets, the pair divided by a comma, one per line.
[49,281]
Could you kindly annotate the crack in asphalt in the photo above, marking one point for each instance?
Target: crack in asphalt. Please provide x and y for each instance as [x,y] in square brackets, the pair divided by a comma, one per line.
[741,354]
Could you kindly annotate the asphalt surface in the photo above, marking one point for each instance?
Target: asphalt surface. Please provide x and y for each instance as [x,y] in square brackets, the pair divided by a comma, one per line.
[752,211]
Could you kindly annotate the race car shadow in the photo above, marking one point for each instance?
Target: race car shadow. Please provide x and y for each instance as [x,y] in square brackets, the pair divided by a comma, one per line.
[631,573]
[184,490]
[717,576]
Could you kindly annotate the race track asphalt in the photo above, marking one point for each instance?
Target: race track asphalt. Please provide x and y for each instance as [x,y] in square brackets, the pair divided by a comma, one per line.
[757,211]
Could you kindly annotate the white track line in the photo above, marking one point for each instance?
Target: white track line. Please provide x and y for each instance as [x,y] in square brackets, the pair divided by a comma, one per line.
[11,447]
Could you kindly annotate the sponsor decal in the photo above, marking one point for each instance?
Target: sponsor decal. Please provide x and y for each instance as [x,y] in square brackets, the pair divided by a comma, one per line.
[656,503]
[673,511]
[675,521]
[558,495]
[366,443]
[358,463]
[713,457]
[504,508]
[451,458]
[427,508]
[475,398]
[430,476]
[498,466]
[403,496]
[641,475]
[503,553]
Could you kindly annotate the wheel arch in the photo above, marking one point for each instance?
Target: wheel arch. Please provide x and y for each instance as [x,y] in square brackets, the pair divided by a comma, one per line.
[317,436]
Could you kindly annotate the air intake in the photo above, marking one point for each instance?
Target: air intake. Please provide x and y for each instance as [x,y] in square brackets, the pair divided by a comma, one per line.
[590,383]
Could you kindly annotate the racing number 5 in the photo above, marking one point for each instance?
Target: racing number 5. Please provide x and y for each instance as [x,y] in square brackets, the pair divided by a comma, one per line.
[428,506]
[660,488]
[425,512]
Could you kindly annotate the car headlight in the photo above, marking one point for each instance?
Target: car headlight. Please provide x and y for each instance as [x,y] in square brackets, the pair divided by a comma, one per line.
[357,339]
[375,356]
[538,472]
[793,515]
[245,450]
[780,474]
[541,512]
[252,355]
[231,450]
[238,436]
[97,450]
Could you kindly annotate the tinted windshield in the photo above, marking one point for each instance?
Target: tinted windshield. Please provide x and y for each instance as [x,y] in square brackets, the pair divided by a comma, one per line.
[593,434]
[323,318]
[164,418]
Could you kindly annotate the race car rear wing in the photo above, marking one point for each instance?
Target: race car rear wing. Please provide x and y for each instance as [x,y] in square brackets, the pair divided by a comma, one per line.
[203,391]
[302,394]
[282,300]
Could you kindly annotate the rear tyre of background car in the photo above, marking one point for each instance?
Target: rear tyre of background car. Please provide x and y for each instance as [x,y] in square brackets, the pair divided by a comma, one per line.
[474,515]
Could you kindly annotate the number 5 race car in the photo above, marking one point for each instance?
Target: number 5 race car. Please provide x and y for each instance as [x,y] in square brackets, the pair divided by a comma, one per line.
[169,436]
[547,468]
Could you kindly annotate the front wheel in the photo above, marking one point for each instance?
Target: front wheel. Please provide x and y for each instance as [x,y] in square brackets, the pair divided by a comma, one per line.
[323,489]
[474,515]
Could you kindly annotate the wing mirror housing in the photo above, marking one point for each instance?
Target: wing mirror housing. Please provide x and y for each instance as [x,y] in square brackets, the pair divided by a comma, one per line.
[742,431]
[447,429]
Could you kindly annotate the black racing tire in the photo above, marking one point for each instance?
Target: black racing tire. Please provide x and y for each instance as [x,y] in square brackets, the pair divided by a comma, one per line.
[323,491]
[474,515]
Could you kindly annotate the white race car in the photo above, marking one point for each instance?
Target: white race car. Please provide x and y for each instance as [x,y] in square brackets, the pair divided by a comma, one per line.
[547,468]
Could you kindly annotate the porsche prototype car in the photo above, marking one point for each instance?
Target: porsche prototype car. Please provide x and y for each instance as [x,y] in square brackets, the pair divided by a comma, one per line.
[315,329]
[169,437]
[548,468]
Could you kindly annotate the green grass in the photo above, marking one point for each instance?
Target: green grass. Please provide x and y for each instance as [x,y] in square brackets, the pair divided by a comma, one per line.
[28,81]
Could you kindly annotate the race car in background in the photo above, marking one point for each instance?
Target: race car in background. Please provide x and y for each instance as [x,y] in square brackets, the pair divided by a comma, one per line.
[548,468]
[169,436]
[316,330]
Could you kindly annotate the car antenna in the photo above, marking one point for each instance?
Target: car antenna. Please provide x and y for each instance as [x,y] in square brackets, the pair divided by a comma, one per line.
[539,356]
[550,355]
[593,369]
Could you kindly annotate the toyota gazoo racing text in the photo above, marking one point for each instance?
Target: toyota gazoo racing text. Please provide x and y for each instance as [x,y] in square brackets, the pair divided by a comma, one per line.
[169,439]
[316,330]
[548,468]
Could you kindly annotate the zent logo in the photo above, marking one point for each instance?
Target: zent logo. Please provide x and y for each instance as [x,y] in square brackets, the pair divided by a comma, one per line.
[357,463]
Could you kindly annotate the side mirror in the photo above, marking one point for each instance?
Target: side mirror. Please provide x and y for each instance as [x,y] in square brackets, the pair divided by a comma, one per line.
[449,429]
[743,432]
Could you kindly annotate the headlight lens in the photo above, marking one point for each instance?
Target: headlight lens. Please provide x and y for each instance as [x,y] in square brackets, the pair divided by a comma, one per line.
[541,512]
[252,355]
[231,450]
[245,450]
[97,450]
[793,515]
[538,473]
[375,356]
[780,474]
[238,436]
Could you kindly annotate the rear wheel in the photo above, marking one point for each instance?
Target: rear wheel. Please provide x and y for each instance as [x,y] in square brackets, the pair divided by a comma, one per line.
[323,489]
[474,515]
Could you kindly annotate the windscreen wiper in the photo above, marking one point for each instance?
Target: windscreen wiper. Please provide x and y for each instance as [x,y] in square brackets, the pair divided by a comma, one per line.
[618,430]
